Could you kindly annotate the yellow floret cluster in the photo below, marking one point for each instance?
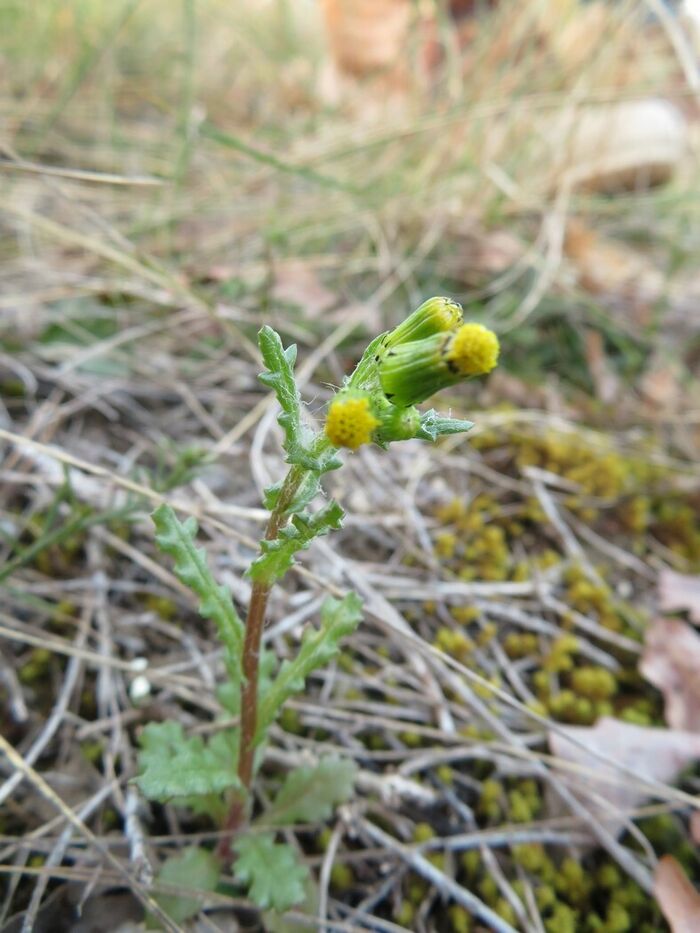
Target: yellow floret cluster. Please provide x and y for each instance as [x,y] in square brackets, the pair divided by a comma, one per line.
[350,422]
[473,350]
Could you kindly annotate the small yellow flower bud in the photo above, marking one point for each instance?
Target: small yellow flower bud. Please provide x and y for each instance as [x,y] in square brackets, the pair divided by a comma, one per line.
[350,422]
[473,350]
[411,372]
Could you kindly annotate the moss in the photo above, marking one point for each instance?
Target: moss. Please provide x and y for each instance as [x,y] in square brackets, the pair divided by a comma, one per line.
[416,890]
[572,882]
[562,920]
[460,920]
[617,919]
[530,856]
[520,809]
[488,889]
[595,683]
[471,863]
[91,752]
[342,876]
[454,642]
[37,667]
[520,644]
[410,739]
[445,774]
[422,832]
[465,614]
[504,910]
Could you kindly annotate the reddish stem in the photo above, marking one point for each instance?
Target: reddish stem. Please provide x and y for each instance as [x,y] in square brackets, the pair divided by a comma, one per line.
[255,623]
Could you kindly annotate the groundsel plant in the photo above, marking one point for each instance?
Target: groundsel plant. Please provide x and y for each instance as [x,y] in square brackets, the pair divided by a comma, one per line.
[432,349]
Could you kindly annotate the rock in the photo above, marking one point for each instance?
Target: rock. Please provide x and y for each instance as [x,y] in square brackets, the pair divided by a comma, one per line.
[617,147]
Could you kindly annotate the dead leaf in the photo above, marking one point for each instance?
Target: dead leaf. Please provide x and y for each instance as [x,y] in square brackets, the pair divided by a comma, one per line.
[651,755]
[671,662]
[679,592]
[366,36]
[296,283]
[678,899]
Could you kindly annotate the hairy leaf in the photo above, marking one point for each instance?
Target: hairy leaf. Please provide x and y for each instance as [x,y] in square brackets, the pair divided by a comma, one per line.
[278,555]
[310,793]
[318,646]
[194,870]
[177,539]
[280,377]
[270,870]
[433,425]
[173,765]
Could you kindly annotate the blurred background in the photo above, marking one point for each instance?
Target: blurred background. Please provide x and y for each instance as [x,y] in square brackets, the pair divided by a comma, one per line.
[173,174]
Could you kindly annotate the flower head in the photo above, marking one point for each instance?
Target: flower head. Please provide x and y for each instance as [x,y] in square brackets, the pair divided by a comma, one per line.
[412,372]
[351,421]
[472,350]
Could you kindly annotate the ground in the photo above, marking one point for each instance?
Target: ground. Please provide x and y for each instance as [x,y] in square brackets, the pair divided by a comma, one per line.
[174,176]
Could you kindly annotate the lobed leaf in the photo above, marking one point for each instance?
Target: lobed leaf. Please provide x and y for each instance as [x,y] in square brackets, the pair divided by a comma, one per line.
[310,793]
[433,425]
[277,556]
[318,646]
[173,765]
[194,870]
[270,870]
[177,539]
[280,377]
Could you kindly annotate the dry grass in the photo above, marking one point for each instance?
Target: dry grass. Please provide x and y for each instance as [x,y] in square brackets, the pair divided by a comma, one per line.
[170,180]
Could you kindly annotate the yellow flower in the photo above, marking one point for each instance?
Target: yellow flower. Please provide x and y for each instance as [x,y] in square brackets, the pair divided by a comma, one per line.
[412,372]
[350,421]
[473,350]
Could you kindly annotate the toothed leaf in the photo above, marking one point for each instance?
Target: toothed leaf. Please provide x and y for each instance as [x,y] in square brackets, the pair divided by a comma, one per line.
[194,870]
[310,793]
[318,646]
[433,425]
[270,870]
[279,376]
[177,539]
[173,765]
[278,555]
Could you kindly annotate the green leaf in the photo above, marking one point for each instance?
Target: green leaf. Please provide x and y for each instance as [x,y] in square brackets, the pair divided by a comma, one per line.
[318,646]
[177,539]
[302,447]
[310,793]
[278,555]
[173,765]
[433,425]
[270,870]
[194,870]
[280,377]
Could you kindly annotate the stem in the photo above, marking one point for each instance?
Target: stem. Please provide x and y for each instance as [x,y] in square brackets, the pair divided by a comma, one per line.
[255,622]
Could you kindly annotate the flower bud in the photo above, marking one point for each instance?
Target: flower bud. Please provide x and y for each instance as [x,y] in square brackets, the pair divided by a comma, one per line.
[351,421]
[411,372]
[357,417]
[435,316]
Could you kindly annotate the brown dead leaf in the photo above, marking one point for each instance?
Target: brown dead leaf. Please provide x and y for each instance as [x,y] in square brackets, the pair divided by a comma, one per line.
[678,899]
[652,755]
[613,269]
[679,592]
[671,662]
[296,283]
